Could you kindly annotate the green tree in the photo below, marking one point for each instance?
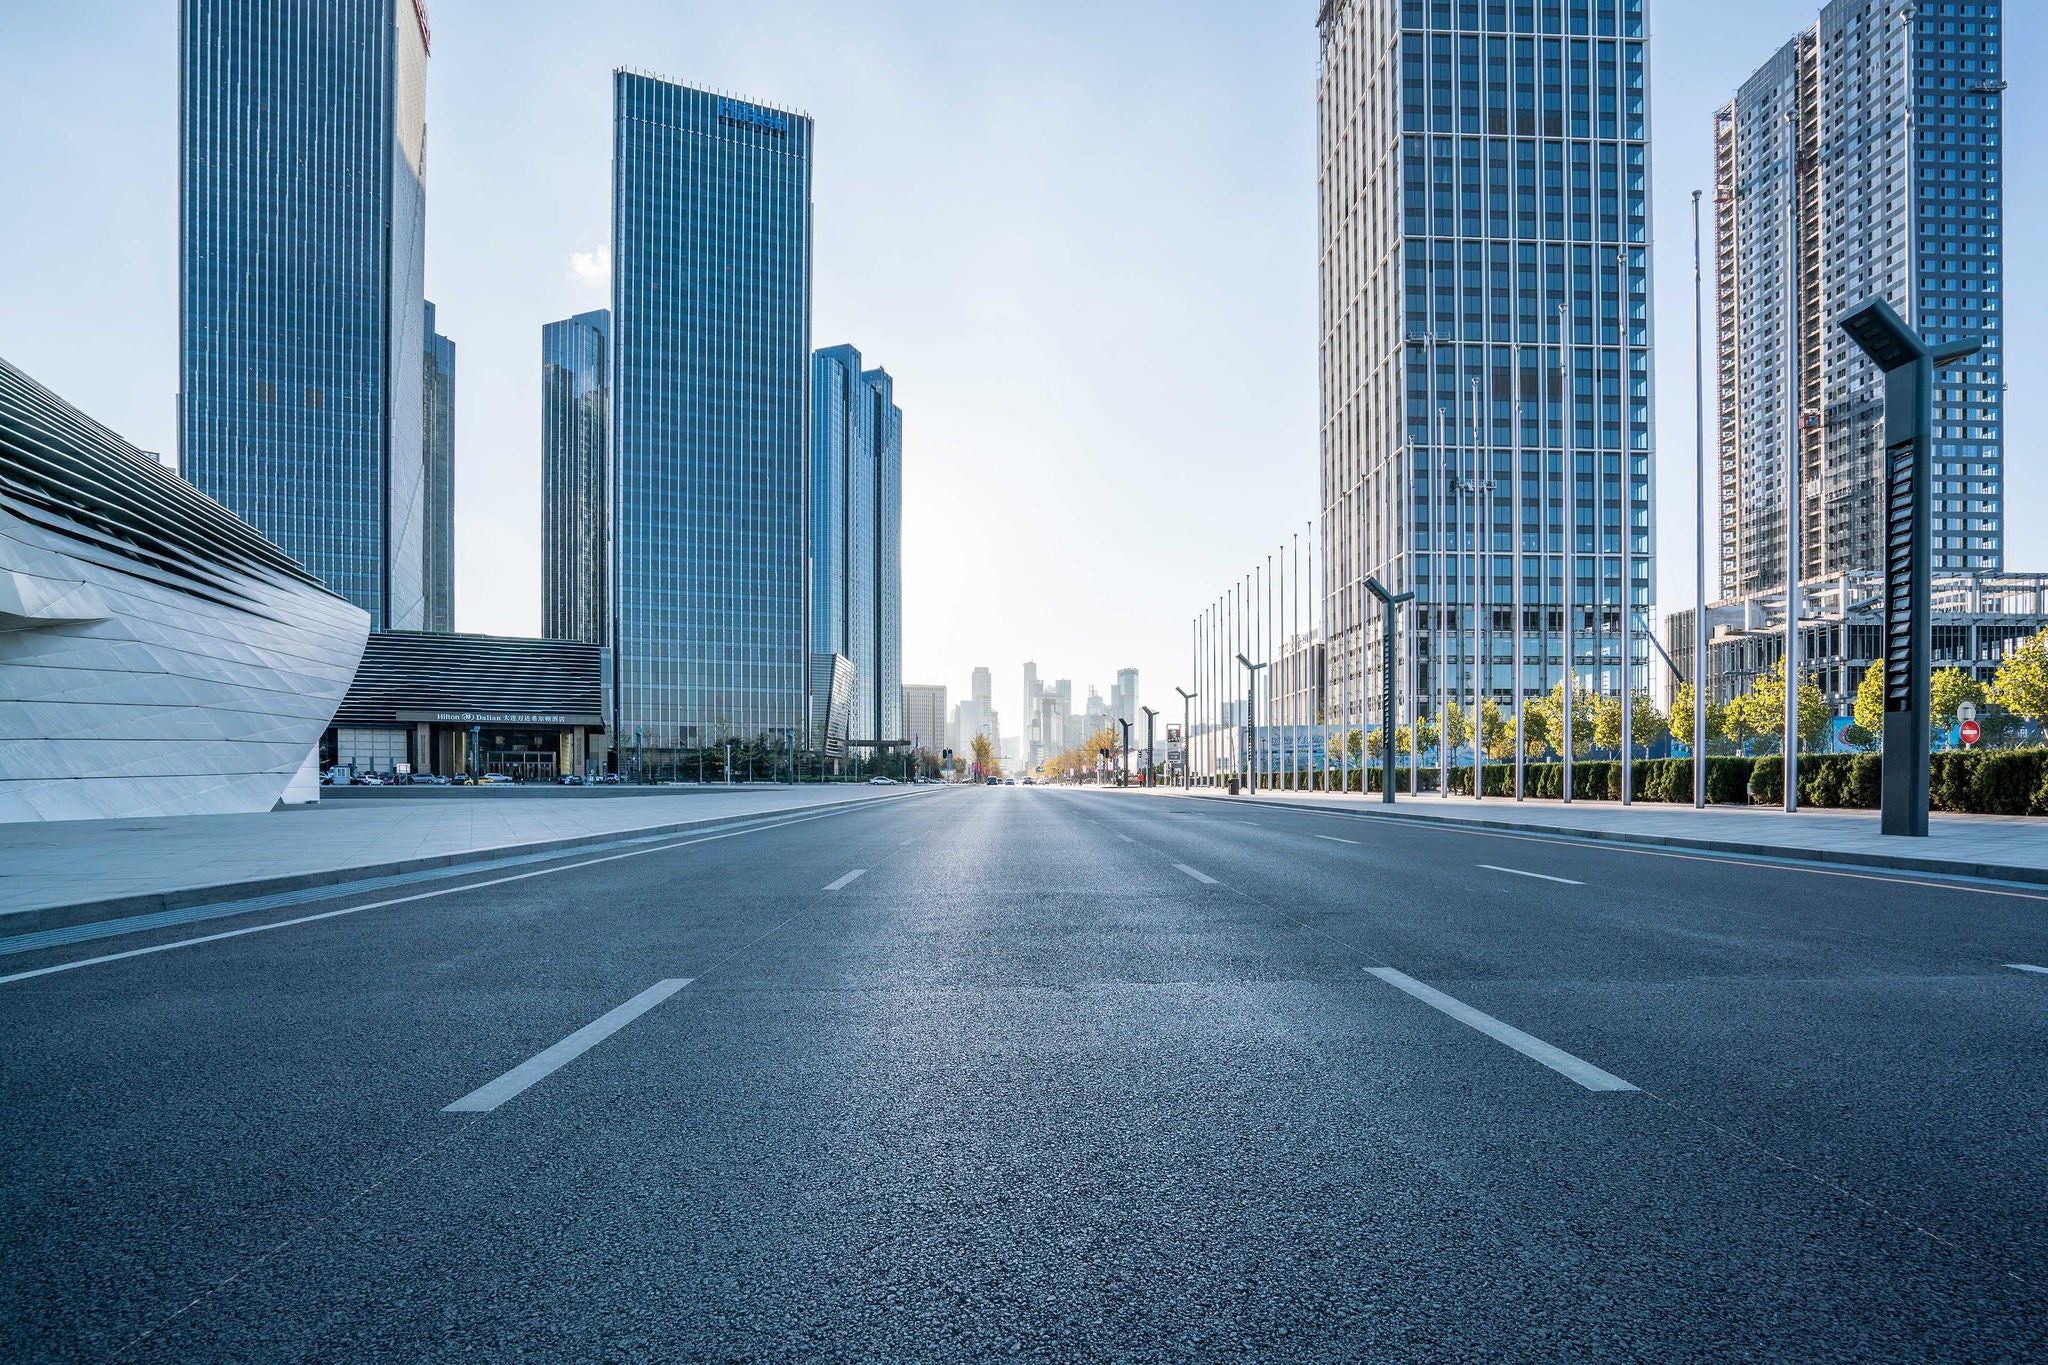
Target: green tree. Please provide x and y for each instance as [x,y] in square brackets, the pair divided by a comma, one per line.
[1679,725]
[2021,685]
[1496,731]
[986,764]
[1869,711]
[1949,689]
[1546,720]
[1759,714]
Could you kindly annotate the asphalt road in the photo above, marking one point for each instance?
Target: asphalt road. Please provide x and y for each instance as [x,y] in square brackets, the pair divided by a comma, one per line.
[1058,1075]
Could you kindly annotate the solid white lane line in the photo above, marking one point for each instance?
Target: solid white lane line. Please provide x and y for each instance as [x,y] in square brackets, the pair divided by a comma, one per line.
[1125,837]
[403,900]
[2027,967]
[1198,876]
[539,1067]
[1585,1073]
[1335,840]
[1517,872]
[842,883]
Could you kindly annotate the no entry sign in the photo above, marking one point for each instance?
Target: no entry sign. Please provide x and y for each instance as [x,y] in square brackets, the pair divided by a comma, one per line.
[1970,732]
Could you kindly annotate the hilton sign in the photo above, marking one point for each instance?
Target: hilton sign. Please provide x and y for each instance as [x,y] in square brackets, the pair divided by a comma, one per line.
[753,116]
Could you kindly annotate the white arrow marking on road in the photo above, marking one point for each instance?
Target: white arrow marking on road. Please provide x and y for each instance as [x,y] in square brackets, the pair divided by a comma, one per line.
[2026,967]
[1198,876]
[1517,872]
[1585,1073]
[1335,840]
[539,1067]
[841,884]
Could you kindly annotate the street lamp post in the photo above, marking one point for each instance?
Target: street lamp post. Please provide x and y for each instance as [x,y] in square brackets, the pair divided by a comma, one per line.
[1909,366]
[1187,737]
[1388,601]
[1251,714]
[1150,715]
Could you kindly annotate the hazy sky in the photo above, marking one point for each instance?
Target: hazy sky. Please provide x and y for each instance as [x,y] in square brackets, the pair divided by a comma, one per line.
[1081,236]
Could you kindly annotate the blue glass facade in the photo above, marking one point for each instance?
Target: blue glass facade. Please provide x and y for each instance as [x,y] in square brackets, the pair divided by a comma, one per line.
[711,253]
[575,456]
[437,435]
[1486,340]
[856,535]
[302,144]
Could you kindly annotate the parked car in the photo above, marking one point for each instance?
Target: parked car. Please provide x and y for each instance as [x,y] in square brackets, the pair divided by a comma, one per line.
[569,780]
[494,778]
[883,782]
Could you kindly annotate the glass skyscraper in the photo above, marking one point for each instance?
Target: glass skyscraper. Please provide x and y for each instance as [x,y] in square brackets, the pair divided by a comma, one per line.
[575,455]
[711,273]
[301,224]
[1864,158]
[437,437]
[856,535]
[1484,177]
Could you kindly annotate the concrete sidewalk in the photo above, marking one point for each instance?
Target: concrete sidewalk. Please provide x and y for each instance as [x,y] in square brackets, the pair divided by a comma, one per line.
[2004,847]
[79,871]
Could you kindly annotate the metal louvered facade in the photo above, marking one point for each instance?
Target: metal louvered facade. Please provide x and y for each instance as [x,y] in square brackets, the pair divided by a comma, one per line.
[157,656]
[412,677]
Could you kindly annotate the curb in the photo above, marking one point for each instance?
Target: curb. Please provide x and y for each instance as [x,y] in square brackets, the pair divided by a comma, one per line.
[75,913]
[1940,867]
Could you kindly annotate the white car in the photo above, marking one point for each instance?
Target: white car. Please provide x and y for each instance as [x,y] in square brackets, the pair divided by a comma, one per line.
[883,782]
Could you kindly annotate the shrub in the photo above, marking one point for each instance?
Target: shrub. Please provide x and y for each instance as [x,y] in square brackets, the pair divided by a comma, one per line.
[2006,783]
[1767,780]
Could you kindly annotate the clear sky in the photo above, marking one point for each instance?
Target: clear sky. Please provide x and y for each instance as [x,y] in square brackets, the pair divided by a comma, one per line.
[1081,236]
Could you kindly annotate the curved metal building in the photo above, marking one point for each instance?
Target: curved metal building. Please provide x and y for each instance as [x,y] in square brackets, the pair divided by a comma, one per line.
[157,656]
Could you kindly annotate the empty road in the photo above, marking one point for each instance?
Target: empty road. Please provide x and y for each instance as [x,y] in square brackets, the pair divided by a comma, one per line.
[1021,1072]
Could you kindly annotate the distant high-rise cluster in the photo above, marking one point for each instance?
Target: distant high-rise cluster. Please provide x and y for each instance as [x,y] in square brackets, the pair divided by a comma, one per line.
[1052,725]
[1864,158]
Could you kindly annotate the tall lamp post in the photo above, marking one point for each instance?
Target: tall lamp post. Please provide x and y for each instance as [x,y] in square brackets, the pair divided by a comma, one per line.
[1909,364]
[1123,774]
[1150,714]
[1389,601]
[1187,737]
[1251,715]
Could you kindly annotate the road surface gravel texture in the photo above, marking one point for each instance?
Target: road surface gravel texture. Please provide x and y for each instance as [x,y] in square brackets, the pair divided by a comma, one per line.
[1058,1075]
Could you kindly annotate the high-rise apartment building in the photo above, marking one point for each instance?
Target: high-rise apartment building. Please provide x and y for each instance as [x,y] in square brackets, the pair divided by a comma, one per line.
[575,464]
[1864,158]
[301,283]
[976,714]
[1486,344]
[856,535]
[924,717]
[437,442]
[1123,697]
[711,276]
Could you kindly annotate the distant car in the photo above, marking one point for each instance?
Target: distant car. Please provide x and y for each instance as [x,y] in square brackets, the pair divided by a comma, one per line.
[569,780]
[494,778]
[1030,782]
[882,782]
[1009,782]
[606,780]
[995,781]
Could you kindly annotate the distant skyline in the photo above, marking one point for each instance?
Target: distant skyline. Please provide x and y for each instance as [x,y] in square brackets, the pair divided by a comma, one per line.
[1082,236]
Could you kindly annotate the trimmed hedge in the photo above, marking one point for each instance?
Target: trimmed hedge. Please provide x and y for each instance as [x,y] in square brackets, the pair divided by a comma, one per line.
[1985,782]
